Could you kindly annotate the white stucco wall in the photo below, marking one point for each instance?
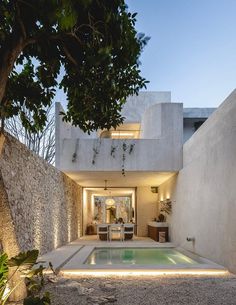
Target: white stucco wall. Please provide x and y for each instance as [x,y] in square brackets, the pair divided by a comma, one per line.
[147,208]
[150,154]
[204,193]
[132,111]
[135,106]
[163,121]
[147,155]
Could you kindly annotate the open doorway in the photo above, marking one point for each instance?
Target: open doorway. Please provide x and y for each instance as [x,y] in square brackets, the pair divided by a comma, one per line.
[107,206]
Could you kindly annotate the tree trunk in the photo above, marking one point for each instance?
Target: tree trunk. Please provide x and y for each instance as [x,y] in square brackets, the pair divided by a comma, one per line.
[8,55]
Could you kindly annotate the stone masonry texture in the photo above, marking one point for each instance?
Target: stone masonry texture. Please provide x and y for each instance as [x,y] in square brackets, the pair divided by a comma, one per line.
[40,207]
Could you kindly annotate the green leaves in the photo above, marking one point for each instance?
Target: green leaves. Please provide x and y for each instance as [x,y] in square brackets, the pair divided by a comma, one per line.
[30,93]
[3,273]
[109,73]
[3,267]
[66,14]
[25,262]
[94,44]
[24,259]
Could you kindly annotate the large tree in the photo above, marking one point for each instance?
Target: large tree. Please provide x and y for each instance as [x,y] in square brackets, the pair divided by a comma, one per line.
[91,44]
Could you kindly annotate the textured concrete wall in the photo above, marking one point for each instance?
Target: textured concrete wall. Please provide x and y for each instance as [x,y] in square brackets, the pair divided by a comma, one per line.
[165,191]
[147,208]
[133,111]
[136,105]
[164,154]
[163,121]
[67,135]
[204,193]
[40,205]
[148,155]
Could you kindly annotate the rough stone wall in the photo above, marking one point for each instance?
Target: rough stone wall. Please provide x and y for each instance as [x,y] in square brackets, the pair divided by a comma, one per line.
[40,206]
[7,234]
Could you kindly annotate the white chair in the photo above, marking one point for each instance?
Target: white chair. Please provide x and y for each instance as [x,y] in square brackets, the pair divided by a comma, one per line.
[128,229]
[116,228]
[103,230]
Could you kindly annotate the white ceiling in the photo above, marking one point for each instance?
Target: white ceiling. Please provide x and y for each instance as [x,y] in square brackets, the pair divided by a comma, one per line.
[115,179]
[115,191]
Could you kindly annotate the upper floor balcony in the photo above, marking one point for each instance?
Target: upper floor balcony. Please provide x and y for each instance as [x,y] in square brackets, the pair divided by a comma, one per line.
[120,155]
[153,144]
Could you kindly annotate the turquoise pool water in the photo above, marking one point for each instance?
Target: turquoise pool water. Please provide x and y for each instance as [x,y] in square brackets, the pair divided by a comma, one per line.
[138,256]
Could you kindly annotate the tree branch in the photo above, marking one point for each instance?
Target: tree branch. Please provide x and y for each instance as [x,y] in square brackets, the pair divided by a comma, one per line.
[42,143]
[19,19]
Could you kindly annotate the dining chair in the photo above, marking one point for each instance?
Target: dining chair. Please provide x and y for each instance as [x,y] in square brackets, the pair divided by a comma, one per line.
[103,231]
[116,228]
[128,231]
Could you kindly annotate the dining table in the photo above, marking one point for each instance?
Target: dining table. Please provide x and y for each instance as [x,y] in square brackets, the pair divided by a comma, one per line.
[116,228]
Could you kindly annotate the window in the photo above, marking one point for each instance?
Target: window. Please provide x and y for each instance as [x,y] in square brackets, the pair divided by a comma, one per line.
[125,131]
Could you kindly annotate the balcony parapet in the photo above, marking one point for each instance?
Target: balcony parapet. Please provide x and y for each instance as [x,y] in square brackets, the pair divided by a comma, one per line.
[164,154]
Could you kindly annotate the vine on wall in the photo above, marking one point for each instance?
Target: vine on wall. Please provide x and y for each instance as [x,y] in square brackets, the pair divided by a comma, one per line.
[113,150]
[130,149]
[125,149]
[96,150]
[74,156]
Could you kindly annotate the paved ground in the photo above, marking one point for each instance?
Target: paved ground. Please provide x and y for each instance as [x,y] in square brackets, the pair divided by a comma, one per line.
[176,290]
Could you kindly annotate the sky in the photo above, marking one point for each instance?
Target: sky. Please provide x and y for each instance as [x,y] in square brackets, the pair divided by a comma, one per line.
[192,50]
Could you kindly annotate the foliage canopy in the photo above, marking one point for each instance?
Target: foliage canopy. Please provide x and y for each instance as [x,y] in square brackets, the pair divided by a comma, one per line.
[89,48]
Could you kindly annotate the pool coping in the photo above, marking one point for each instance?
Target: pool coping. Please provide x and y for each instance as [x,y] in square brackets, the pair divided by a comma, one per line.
[76,265]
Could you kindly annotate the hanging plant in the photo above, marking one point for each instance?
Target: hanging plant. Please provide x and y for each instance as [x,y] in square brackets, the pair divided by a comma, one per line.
[74,156]
[131,148]
[113,150]
[124,147]
[96,150]
[165,210]
[95,153]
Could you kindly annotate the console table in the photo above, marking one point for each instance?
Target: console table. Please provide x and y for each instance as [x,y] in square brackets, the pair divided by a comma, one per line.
[154,228]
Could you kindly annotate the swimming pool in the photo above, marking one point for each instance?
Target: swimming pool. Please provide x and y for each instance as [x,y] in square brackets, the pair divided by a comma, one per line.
[138,256]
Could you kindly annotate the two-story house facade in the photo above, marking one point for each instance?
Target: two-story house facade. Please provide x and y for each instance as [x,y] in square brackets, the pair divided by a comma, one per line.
[120,170]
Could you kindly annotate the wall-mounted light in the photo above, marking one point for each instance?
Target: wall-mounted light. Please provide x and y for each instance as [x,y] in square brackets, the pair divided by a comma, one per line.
[165,200]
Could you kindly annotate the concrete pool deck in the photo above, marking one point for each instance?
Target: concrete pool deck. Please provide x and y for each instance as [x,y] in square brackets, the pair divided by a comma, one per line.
[61,255]
[70,260]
